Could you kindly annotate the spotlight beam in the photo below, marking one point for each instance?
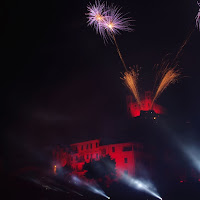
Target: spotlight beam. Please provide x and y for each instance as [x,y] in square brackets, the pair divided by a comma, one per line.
[140,185]
[79,182]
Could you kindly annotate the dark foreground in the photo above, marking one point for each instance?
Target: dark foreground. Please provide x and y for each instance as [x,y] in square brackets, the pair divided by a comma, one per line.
[20,188]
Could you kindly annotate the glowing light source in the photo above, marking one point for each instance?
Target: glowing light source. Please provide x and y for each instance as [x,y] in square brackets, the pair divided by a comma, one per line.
[54,169]
[97,191]
[142,185]
[88,186]
[192,152]
[99,17]
[115,21]
[110,26]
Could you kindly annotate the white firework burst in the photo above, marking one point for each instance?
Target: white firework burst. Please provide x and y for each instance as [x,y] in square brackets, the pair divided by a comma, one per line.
[96,16]
[107,20]
[198,18]
[115,21]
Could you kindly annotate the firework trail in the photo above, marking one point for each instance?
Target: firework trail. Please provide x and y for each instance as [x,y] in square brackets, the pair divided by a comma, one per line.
[188,38]
[119,53]
[168,76]
[198,18]
[182,47]
[168,73]
[130,79]
[108,21]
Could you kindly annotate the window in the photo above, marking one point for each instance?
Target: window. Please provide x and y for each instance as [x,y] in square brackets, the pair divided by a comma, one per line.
[103,151]
[96,144]
[97,156]
[88,156]
[71,158]
[76,157]
[125,160]
[82,147]
[87,146]
[82,158]
[90,146]
[113,149]
[91,156]
[127,148]
[75,148]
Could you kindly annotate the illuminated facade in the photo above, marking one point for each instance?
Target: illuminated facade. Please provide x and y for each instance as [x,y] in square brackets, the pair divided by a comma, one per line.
[135,110]
[127,156]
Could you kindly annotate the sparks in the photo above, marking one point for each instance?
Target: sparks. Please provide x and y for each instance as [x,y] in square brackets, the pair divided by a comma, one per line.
[107,20]
[198,18]
[96,14]
[130,79]
[168,76]
[115,21]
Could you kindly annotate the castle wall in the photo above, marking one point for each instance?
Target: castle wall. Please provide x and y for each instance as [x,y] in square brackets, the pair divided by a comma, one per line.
[124,155]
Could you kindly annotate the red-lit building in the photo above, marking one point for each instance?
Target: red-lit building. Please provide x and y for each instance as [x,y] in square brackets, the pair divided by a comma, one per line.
[128,156]
[134,109]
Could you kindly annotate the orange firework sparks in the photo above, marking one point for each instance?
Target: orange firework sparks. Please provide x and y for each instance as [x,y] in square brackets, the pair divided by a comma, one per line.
[169,73]
[130,79]
[168,76]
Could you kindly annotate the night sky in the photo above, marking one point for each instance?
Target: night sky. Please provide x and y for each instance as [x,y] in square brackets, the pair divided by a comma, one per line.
[61,84]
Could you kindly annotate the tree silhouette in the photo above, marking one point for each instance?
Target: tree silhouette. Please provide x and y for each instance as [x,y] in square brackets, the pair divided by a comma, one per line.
[64,172]
[102,170]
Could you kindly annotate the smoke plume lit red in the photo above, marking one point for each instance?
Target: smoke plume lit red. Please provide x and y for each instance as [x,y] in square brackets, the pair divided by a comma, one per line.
[134,109]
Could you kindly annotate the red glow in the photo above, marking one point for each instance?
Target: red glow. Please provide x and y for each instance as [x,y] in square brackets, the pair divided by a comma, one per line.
[124,155]
[54,170]
[134,109]
[181,181]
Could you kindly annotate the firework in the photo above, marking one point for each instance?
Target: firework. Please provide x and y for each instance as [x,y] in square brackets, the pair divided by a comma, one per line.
[180,51]
[96,15]
[168,76]
[130,79]
[115,21]
[108,21]
[168,73]
[198,18]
